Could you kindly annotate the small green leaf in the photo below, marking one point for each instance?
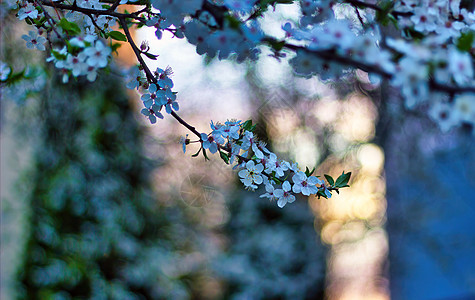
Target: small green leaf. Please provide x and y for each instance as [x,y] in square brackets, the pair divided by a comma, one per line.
[313,170]
[40,22]
[465,41]
[57,55]
[321,194]
[117,35]
[247,125]
[393,19]
[233,22]
[224,157]
[277,46]
[151,56]
[382,14]
[115,46]
[330,179]
[342,180]
[70,27]
[308,172]
[277,180]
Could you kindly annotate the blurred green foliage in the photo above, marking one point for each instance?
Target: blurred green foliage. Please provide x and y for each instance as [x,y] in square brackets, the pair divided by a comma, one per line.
[96,230]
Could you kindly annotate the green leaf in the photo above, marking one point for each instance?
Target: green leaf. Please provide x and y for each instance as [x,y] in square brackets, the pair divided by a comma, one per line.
[40,22]
[465,41]
[393,19]
[117,35]
[233,22]
[330,179]
[320,193]
[57,55]
[342,180]
[115,46]
[277,46]
[224,157]
[308,172]
[247,125]
[276,180]
[382,14]
[151,56]
[70,27]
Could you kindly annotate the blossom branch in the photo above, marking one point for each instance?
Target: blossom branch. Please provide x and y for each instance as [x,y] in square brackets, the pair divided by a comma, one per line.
[149,74]
[89,11]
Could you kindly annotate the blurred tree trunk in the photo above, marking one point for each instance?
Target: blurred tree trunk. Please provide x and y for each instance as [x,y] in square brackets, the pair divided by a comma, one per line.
[430,180]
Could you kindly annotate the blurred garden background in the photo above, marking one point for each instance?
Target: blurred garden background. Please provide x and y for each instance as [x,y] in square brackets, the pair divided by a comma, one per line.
[99,204]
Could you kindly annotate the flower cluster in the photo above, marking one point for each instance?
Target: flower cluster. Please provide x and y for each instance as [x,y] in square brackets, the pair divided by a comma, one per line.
[441,58]
[237,144]
[92,55]
[156,93]
[82,53]
[226,41]
[431,61]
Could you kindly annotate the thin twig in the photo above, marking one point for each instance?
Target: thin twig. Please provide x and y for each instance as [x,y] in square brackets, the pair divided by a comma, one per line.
[149,74]
[87,11]
[359,15]
[51,22]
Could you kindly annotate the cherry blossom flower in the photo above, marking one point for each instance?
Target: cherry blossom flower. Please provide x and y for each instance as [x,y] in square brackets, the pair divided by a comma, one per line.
[209,142]
[284,195]
[150,98]
[273,164]
[269,192]
[80,41]
[34,41]
[76,63]
[106,22]
[28,11]
[460,65]
[231,130]
[152,113]
[97,55]
[305,185]
[251,175]
[444,115]
[170,104]
[91,73]
[465,105]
